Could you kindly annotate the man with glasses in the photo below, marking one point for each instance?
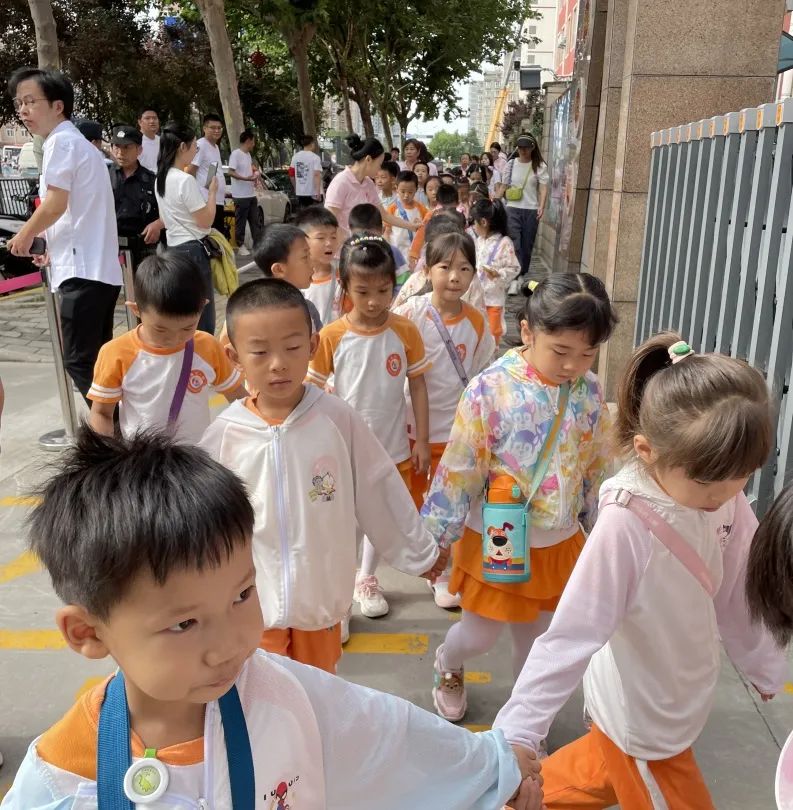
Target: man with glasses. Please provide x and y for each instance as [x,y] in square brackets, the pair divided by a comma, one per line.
[78,216]
[207,154]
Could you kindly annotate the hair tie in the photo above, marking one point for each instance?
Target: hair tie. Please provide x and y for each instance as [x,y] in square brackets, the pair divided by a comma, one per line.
[679,351]
[532,285]
[364,241]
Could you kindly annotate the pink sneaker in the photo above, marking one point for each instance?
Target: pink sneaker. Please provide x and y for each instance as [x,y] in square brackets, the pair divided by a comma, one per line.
[448,694]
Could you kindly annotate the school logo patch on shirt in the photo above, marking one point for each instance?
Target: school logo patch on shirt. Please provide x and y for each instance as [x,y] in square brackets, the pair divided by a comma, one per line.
[282,796]
[323,488]
[393,364]
[462,351]
[197,382]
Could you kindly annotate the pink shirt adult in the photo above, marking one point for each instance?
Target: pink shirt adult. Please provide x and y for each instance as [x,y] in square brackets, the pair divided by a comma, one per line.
[346,191]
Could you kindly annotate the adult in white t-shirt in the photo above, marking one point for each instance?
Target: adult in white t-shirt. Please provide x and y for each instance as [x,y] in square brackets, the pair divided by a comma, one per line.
[243,190]
[306,172]
[77,215]
[149,126]
[528,173]
[187,216]
[208,153]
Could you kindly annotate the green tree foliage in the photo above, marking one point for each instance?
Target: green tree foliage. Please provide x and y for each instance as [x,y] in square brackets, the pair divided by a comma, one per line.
[451,145]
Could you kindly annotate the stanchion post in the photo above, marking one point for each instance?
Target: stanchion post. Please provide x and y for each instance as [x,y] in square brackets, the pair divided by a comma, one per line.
[125,258]
[58,439]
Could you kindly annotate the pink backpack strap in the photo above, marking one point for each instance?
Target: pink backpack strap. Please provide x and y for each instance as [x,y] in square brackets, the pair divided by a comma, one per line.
[670,537]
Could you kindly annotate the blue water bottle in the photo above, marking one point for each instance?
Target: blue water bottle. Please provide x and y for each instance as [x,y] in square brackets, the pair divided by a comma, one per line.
[505,525]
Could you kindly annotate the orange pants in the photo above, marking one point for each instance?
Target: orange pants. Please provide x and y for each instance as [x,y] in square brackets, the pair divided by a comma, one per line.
[593,772]
[495,320]
[419,484]
[318,648]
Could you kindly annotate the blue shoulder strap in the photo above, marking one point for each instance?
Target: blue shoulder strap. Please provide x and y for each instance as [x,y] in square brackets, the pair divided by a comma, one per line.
[114,754]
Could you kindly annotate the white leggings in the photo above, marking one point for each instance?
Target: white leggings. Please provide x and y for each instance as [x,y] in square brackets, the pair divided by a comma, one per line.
[475,635]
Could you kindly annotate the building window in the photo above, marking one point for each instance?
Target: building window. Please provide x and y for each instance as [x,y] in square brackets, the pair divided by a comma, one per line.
[9,133]
[532,30]
[530,59]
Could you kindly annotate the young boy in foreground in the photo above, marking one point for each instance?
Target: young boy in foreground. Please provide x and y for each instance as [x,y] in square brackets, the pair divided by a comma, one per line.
[315,472]
[148,543]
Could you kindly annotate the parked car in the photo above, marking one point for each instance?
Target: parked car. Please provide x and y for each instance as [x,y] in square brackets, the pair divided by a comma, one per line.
[273,204]
[281,180]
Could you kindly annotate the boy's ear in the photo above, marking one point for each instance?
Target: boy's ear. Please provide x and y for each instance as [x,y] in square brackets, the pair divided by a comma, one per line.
[232,355]
[133,308]
[78,628]
[313,344]
[278,270]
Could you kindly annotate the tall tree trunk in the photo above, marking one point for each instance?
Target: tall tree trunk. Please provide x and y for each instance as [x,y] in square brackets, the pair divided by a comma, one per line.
[214,15]
[364,102]
[48,53]
[345,100]
[381,108]
[298,42]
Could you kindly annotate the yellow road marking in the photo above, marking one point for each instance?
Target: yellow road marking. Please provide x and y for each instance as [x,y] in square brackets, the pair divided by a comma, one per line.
[25,563]
[89,684]
[478,677]
[789,688]
[390,643]
[31,640]
[475,728]
[20,500]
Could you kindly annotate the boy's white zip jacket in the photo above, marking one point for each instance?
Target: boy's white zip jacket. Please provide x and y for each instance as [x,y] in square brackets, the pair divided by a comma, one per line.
[318,743]
[645,630]
[311,480]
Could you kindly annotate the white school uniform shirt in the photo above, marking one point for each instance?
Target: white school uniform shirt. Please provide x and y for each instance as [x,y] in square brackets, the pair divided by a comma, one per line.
[643,632]
[181,200]
[151,150]
[317,743]
[402,238]
[370,371]
[475,347]
[83,243]
[306,163]
[143,380]
[209,153]
[313,479]
[326,296]
[242,163]
[498,253]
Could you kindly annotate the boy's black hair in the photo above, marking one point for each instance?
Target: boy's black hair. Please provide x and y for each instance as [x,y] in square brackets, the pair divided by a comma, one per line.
[365,217]
[447,195]
[408,177]
[447,221]
[147,108]
[247,135]
[315,216]
[306,140]
[212,117]
[274,245]
[391,166]
[366,256]
[170,283]
[264,293]
[119,507]
[54,85]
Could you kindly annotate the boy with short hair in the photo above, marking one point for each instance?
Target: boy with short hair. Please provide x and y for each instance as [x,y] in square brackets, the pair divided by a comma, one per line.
[405,207]
[315,472]
[148,544]
[283,252]
[322,231]
[366,218]
[385,180]
[160,374]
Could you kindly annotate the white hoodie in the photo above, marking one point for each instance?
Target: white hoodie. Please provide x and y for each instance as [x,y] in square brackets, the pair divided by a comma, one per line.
[311,479]
[645,630]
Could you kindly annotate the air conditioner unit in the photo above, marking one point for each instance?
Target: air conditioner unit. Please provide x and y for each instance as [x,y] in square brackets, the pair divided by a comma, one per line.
[530,79]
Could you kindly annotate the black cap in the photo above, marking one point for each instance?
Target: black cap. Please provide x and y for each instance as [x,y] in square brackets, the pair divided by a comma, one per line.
[90,130]
[527,140]
[125,135]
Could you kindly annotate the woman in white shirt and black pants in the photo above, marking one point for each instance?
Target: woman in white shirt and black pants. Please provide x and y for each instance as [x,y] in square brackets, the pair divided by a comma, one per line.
[529,175]
[186,214]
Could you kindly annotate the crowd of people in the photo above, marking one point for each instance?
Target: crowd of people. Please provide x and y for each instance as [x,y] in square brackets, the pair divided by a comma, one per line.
[372,416]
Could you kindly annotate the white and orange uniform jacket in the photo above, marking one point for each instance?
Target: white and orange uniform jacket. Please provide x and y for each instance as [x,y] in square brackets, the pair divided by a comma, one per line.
[318,743]
[143,380]
[643,632]
[311,480]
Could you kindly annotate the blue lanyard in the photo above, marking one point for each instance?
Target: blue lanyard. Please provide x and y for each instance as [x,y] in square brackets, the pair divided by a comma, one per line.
[114,754]
[404,215]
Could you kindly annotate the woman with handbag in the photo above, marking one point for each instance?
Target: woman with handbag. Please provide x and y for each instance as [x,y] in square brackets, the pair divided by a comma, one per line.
[524,187]
[524,462]
[186,214]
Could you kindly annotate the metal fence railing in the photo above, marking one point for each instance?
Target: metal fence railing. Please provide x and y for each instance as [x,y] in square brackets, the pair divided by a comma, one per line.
[718,252]
[14,196]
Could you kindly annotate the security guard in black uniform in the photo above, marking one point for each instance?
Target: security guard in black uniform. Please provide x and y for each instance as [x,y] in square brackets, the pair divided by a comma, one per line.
[137,215]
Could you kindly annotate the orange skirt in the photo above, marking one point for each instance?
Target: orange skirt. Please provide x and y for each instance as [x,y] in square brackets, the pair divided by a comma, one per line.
[519,601]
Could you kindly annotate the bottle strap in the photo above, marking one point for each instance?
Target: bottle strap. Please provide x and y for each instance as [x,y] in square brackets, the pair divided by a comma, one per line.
[404,215]
[181,383]
[114,755]
[448,344]
[669,536]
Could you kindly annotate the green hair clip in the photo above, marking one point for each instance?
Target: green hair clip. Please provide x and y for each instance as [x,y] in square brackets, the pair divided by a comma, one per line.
[679,351]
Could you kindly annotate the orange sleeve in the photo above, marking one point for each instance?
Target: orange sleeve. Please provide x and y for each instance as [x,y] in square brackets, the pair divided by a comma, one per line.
[112,364]
[227,378]
[414,346]
[418,242]
[321,365]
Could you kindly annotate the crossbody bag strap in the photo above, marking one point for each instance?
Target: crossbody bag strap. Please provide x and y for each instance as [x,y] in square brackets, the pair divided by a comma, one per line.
[181,383]
[546,453]
[669,536]
[327,315]
[448,344]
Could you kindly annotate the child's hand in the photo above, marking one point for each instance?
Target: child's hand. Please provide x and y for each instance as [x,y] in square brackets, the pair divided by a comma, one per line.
[439,566]
[421,457]
[764,696]
[528,797]
[527,762]
[490,272]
